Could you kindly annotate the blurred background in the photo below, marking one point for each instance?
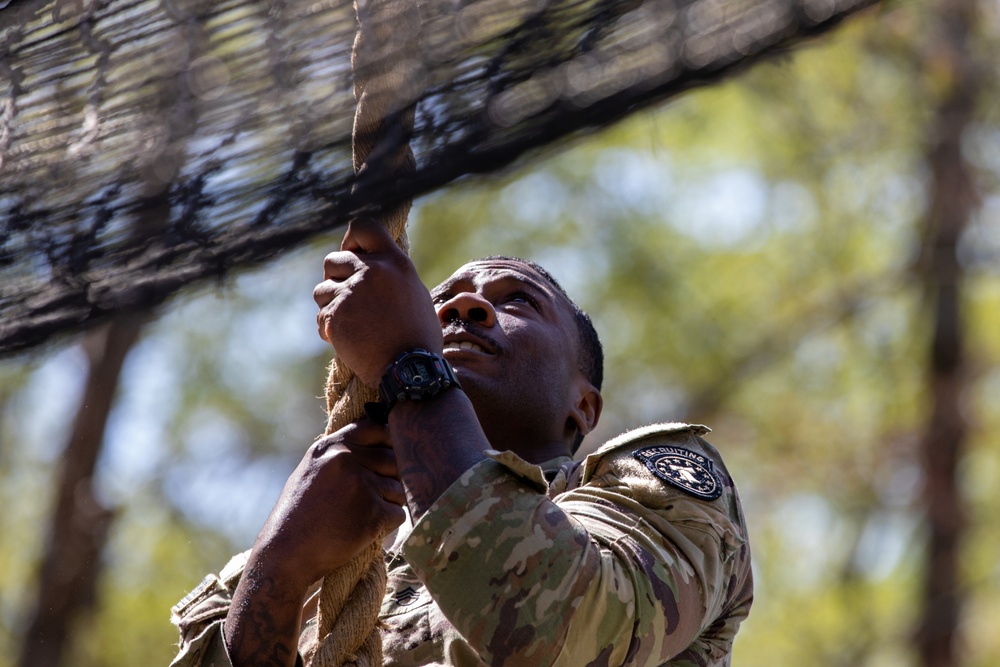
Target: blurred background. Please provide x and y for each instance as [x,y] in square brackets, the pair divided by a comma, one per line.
[806,258]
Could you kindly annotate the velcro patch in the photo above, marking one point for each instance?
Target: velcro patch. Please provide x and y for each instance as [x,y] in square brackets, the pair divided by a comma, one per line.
[198,592]
[683,468]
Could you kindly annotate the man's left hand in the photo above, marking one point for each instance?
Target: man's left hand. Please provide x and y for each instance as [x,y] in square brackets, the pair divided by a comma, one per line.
[372,304]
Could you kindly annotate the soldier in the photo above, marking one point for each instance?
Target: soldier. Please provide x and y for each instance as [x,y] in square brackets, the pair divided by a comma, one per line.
[509,552]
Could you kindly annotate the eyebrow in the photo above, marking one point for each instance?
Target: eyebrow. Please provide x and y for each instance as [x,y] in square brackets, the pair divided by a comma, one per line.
[505,274]
[442,288]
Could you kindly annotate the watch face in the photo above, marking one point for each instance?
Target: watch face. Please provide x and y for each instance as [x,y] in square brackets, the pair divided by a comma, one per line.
[416,376]
[417,371]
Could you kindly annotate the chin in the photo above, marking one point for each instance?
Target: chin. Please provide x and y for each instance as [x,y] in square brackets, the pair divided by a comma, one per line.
[477,390]
[469,375]
[471,382]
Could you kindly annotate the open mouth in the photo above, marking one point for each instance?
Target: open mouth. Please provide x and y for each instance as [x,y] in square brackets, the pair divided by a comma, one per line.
[464,345]
[460,341]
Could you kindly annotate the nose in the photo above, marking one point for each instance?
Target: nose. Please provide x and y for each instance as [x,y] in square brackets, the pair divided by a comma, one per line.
[468,306]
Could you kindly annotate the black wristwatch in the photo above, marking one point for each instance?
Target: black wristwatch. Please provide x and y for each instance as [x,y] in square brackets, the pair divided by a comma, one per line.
[416,375]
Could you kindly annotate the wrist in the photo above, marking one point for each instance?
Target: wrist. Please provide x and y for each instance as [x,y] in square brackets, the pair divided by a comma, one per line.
[435,443]
[277,569]
[262,582]
[415,375]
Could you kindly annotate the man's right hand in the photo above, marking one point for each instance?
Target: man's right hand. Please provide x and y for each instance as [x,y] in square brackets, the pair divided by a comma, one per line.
[344,494]
[372,305]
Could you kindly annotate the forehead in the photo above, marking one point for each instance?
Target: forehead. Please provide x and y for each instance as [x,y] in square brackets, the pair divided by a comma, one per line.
[483,273]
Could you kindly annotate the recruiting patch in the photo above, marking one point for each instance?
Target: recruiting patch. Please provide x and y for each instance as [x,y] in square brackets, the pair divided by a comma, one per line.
[683,468]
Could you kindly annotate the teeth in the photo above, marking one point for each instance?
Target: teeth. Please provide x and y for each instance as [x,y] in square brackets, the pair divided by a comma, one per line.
[464,345]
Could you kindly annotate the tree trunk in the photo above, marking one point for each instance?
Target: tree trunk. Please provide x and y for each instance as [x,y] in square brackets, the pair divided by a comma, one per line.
[80,524]
[952,203]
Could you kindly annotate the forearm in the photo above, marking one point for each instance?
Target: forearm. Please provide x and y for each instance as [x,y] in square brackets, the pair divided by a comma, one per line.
[262,627]
[435,442]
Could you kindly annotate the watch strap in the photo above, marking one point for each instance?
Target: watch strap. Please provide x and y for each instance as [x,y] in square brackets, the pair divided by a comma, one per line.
[377,411]
[393,388]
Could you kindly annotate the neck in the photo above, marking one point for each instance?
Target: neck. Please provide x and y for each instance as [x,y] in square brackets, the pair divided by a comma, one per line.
[540,455]
[531,449]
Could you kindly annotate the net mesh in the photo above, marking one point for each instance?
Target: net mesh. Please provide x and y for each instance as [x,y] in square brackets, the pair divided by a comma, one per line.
[149,144]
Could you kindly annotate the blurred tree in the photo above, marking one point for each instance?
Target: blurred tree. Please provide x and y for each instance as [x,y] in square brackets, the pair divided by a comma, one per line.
[80,524]
[953,199]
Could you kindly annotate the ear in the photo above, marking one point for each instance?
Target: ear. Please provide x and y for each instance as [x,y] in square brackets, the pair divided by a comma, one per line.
[586,409]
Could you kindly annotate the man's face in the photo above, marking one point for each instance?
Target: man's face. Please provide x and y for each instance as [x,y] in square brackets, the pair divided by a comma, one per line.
[512,340]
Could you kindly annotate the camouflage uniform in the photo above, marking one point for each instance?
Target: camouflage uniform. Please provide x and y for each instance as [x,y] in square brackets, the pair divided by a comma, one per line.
[637,555]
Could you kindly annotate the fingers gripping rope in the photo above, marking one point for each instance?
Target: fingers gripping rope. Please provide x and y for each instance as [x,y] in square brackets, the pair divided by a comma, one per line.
[385,77]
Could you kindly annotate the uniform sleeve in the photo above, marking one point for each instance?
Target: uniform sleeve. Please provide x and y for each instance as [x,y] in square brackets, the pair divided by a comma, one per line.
[598,575]
[199,617]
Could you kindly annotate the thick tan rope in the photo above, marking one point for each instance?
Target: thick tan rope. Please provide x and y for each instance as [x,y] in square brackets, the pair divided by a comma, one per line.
[385,79]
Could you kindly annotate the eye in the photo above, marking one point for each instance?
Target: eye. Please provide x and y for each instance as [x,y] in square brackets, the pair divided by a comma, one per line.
[521,297]
[438,299]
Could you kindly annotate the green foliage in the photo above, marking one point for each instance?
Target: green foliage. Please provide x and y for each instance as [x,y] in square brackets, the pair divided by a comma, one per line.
[149,569]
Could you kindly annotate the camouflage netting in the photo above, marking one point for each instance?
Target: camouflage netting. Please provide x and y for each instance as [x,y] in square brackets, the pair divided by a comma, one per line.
[148,144]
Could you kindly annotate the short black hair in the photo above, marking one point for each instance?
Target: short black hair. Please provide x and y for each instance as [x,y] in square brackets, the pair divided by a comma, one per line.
[591,360]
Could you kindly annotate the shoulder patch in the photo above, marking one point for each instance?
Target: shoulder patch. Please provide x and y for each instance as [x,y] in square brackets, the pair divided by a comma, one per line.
[631,438]
[683,468]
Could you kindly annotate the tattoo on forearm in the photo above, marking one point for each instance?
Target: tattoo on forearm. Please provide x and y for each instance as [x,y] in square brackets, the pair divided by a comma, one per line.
[422,487]
[260,637]
[437,452]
